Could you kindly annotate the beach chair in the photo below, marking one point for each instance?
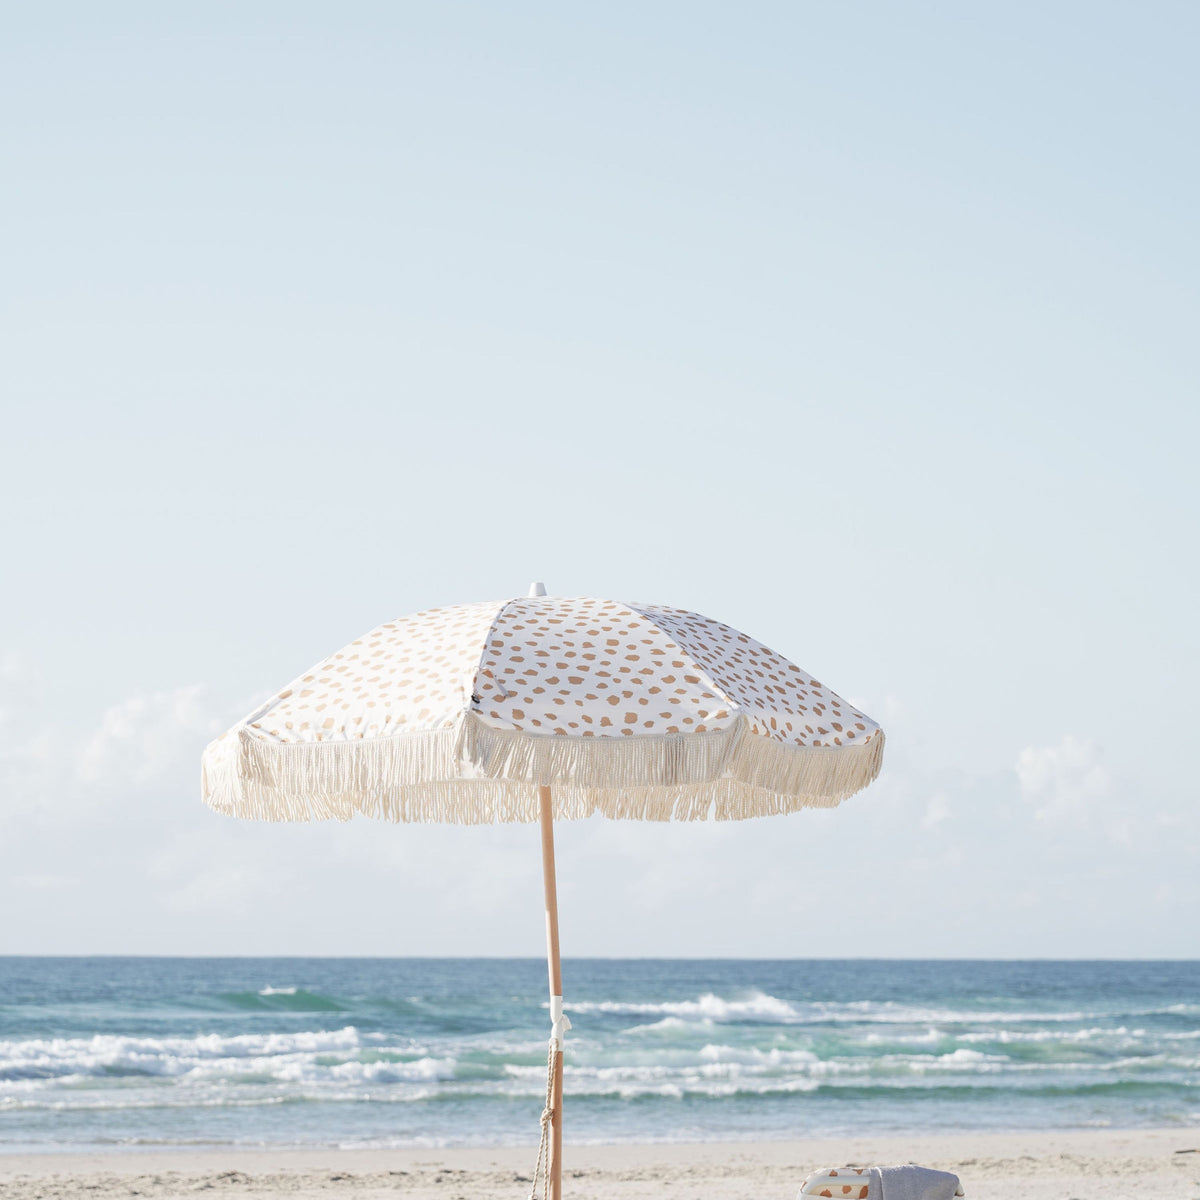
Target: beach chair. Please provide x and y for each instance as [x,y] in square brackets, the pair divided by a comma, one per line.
[902,1182]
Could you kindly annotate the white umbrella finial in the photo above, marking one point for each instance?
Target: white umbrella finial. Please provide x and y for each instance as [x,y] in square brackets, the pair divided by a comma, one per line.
[537,589]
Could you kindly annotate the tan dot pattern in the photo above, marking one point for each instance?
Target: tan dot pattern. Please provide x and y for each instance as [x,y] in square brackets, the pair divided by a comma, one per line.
[562,667]
[409,675]
[781,700]
[844,1182]
[592,668]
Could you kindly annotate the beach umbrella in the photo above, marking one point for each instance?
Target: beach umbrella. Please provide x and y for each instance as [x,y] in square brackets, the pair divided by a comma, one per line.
[538,708]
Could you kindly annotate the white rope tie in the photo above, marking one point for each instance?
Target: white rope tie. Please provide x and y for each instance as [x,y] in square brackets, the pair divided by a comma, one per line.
[543,1158]
[559,1024]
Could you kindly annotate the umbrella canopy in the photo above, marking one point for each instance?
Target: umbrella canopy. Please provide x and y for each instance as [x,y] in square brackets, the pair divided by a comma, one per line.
[543,707]
[628,710]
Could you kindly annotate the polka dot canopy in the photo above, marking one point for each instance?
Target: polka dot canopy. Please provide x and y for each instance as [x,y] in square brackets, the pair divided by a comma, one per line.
[458,713]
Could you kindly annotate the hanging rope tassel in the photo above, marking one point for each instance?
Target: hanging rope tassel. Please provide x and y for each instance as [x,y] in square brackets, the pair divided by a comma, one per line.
[559,1024]
[542,1168]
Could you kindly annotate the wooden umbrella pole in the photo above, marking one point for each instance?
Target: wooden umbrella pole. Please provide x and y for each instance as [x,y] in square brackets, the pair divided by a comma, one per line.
[546,818]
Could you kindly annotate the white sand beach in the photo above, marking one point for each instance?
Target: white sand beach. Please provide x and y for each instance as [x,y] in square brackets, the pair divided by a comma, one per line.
[1073,1165]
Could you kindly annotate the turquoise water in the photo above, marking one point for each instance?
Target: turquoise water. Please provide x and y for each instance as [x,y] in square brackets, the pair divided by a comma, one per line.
[108,1053]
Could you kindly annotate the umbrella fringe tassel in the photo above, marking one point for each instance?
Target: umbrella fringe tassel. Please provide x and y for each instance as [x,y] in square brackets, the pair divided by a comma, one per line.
[473,773]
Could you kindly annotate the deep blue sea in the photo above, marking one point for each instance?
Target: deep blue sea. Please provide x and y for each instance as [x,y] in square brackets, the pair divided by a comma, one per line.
[154,1052]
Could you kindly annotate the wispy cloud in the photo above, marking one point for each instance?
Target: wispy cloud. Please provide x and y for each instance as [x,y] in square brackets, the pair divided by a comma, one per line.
[1064,781]
[143,738]
[1036,858]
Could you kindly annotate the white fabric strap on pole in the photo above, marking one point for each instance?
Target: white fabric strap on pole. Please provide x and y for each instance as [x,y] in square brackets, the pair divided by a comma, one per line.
[559,1023]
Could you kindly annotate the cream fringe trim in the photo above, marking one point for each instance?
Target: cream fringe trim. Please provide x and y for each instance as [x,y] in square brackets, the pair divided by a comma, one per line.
[472,774]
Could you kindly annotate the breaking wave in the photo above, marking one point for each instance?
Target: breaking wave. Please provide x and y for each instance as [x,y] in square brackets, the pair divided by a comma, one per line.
[426,1054]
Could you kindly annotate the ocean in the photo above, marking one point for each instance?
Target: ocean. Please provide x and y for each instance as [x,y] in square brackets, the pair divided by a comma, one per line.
[120,1053]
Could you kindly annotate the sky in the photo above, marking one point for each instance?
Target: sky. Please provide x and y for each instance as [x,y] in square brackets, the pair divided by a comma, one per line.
[868,329]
